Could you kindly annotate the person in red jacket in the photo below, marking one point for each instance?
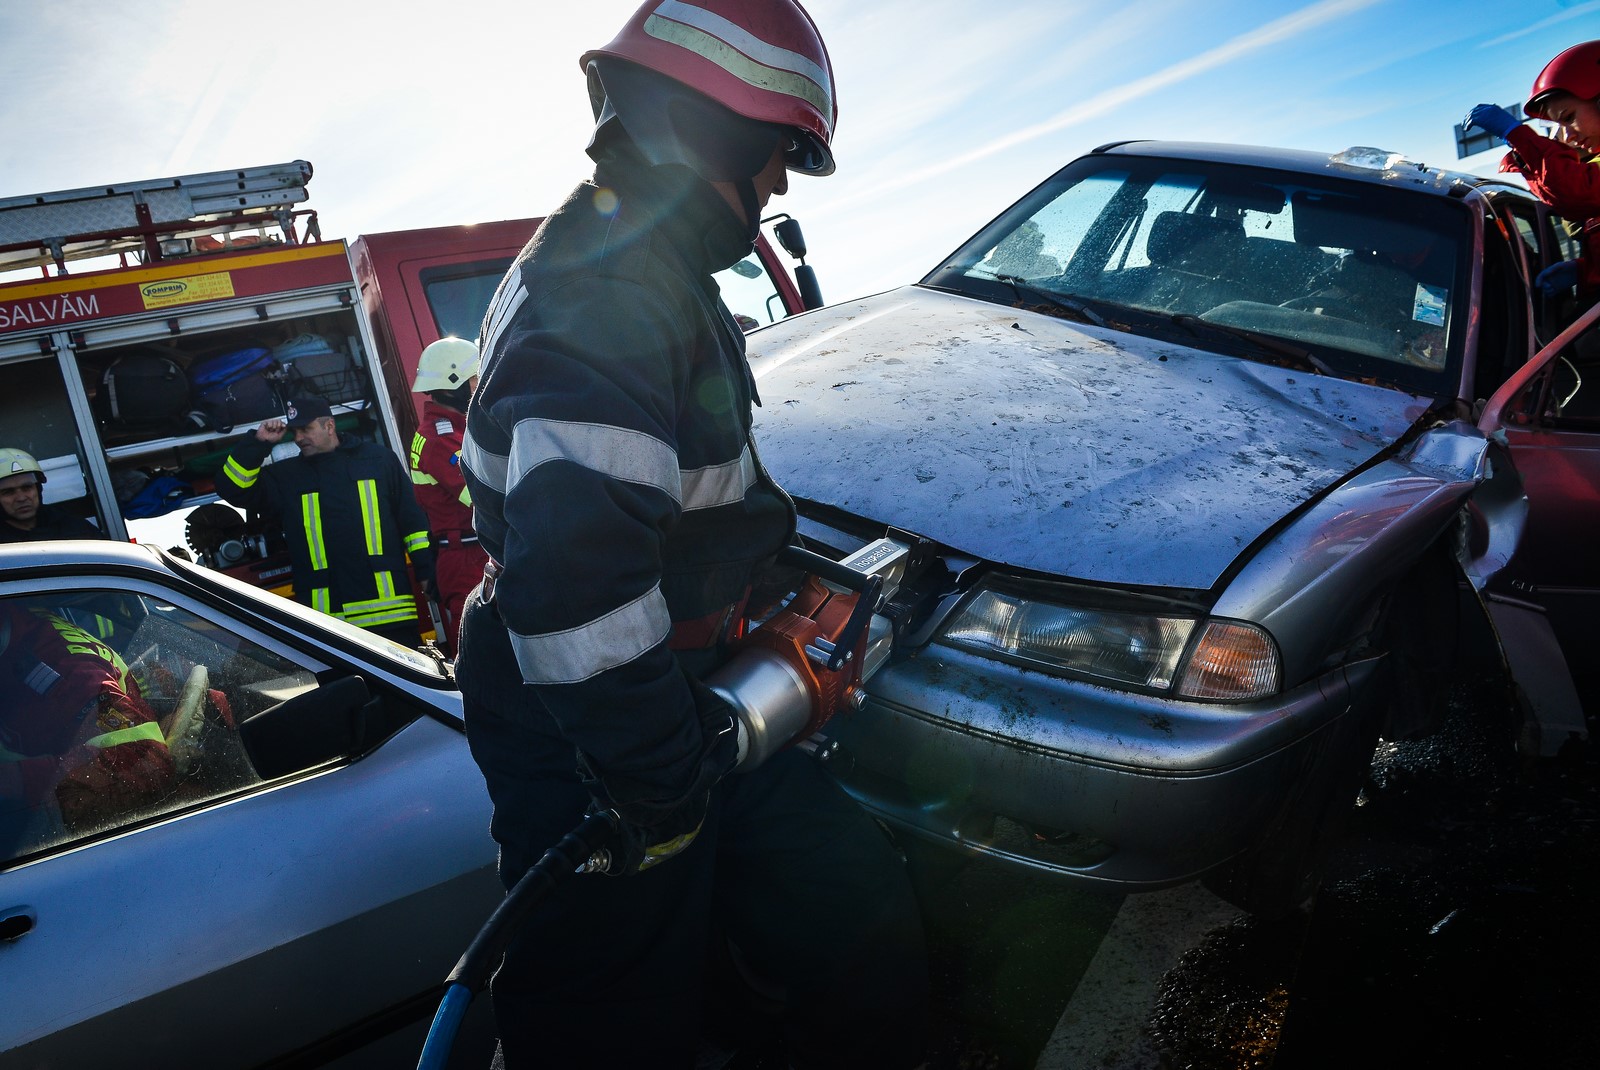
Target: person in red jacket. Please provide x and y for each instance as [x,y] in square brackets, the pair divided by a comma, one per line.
[447,372]
[78,744]
[1565,173]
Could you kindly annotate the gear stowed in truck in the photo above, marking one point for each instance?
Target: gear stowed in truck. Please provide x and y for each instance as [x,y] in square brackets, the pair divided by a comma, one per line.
[146,325]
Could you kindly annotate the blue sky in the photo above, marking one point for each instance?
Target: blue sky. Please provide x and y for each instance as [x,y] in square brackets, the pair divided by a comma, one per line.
[950,109]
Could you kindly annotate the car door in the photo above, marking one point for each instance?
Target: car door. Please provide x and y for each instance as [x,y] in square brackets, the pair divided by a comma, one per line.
[294,889]
[1547,408]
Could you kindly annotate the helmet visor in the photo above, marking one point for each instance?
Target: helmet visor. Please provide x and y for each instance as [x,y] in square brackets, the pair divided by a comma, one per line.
[805,153]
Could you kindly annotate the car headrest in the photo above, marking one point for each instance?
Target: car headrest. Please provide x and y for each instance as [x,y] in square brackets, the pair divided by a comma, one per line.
[1201,244]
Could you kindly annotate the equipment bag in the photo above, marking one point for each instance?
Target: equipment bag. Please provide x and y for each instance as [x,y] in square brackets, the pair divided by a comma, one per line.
[159,497]
[316,367]
[142,392]
[238,387]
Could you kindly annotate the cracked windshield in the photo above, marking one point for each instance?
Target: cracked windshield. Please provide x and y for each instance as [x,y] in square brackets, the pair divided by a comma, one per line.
[1358,283]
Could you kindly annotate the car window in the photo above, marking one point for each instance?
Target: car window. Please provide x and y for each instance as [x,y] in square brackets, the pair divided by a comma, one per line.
[1565,396]
[1503,341]
[1370,279]
[750,294]
[120,708]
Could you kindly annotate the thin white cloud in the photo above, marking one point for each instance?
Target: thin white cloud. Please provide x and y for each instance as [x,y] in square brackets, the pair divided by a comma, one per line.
[1275,32]
[1570,13]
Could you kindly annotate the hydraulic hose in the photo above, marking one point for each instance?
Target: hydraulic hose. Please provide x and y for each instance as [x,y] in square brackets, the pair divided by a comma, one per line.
[478,962]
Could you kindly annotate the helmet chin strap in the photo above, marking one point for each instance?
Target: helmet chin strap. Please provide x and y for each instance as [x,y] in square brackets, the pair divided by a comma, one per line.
[752,209]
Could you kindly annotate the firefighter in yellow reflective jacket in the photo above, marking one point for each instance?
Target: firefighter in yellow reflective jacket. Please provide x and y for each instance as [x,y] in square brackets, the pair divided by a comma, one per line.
[78,745]
[349,514]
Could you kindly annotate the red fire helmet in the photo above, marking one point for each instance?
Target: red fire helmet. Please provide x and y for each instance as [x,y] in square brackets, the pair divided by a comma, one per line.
[762,59]
[1575,71]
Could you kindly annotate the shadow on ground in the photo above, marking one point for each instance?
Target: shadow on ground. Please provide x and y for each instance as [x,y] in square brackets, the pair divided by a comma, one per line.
[1456,926]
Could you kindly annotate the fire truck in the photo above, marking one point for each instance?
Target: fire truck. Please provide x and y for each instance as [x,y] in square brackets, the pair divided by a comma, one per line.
[123,308]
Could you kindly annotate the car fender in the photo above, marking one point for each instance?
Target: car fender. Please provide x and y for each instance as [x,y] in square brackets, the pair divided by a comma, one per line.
[1313,585]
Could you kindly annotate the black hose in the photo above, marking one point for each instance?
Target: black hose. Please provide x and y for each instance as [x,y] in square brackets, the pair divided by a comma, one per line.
[477,964]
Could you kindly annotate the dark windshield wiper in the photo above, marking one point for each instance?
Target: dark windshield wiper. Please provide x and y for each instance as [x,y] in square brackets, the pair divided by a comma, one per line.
[1051,300]
[1303,359]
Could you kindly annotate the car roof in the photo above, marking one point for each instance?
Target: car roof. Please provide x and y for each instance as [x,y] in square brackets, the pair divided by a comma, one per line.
[1360,163]
[65,555]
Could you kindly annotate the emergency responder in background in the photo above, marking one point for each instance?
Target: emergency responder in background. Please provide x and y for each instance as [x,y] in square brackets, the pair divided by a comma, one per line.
[1564,174]
[23,515]
[447,372]
[348,513]
[78,744]
[618,495]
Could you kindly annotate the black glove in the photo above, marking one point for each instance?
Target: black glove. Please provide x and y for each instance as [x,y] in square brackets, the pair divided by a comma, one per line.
[652,830]
[635,848]
[422,567]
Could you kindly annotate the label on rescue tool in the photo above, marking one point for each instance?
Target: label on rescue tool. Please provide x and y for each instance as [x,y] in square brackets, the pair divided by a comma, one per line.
[884,557]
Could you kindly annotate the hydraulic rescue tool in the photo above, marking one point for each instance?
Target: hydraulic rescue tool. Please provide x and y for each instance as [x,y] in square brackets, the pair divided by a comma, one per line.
[791,672]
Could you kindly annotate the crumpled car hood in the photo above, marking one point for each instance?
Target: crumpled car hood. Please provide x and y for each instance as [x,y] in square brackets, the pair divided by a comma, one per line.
[1035,442]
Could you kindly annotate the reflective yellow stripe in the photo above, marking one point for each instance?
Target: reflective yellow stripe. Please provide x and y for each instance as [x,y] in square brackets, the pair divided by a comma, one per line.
[417,540]
[466,496]
[418,476]
[321,602]
[311,517]
[387,608]
[367,491]
[239,475]
[131,734]
[377,619]
[81,642]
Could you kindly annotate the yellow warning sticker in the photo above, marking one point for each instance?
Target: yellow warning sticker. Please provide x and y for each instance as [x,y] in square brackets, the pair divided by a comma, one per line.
[186,291]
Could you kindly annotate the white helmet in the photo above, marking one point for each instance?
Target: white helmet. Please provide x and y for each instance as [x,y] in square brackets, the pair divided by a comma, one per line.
[14,462]
[446,365]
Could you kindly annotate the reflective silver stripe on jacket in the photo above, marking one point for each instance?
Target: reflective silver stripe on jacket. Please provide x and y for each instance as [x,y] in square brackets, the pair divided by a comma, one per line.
[489,467]
[630,456]
[500,315]
[574,655]
[719,484]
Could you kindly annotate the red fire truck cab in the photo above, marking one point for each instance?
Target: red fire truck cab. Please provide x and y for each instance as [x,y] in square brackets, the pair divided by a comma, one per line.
[421,285]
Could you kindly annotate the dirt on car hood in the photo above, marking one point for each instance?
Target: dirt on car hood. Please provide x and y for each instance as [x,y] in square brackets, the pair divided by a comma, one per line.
[1035,442]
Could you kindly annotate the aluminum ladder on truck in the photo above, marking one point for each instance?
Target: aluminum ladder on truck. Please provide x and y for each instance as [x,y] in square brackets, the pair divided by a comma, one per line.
[156,218]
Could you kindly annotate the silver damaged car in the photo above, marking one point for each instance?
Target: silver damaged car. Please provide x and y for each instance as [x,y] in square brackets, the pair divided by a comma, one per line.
[260,842]
[1174,475]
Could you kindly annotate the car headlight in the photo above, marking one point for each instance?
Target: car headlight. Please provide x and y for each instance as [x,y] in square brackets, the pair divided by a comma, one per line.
[1230,661]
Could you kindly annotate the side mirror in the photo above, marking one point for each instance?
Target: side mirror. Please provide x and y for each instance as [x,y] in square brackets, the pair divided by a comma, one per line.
[314,727]
[805,278]
[789,236]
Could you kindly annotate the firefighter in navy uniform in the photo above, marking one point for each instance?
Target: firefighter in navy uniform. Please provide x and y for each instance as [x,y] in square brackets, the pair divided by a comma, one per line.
[618,494]
[447,372]
[348,513]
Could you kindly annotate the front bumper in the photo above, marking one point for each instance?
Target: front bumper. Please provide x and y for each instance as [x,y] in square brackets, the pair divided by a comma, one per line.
[1085,782]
